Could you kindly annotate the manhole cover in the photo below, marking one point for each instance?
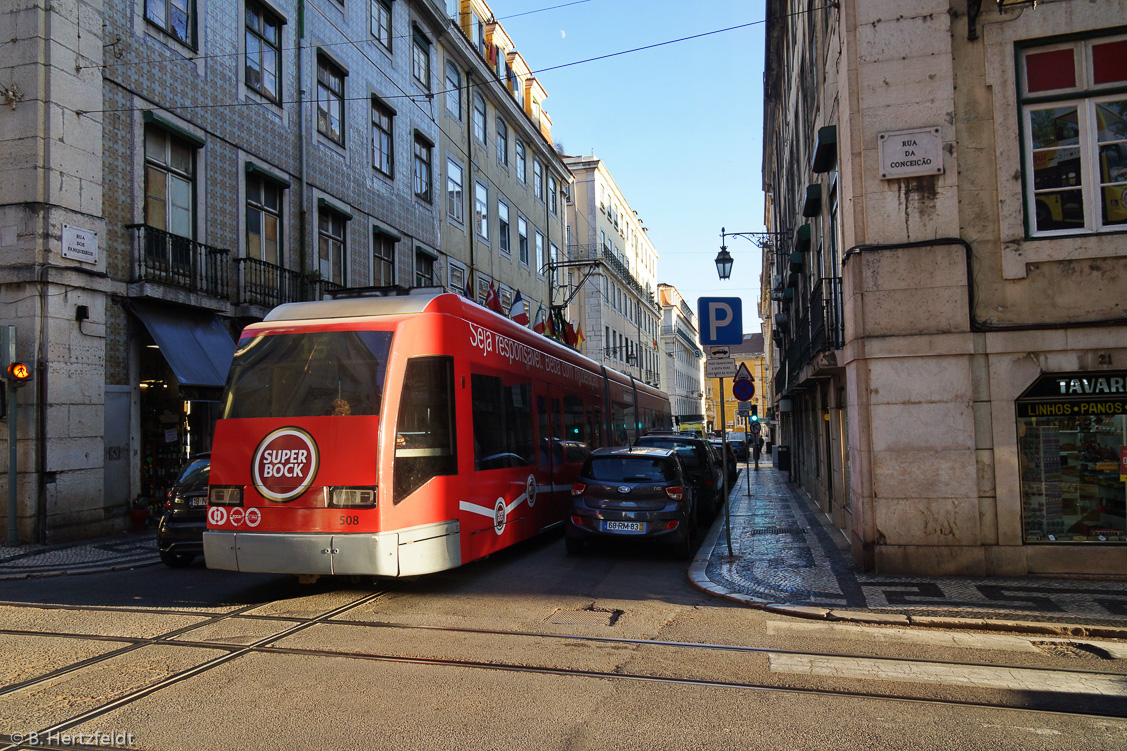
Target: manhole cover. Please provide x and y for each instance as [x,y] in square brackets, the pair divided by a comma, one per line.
[1072,649]
[584,617]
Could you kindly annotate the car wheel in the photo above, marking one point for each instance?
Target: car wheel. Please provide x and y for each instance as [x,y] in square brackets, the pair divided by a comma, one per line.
[573,545]
[683,550]
[176,560]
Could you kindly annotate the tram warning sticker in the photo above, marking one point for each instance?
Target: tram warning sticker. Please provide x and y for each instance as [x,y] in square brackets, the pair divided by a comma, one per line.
[236,516]
[285,464]
[530,490]
[216,516]
[499,514]
[254,516]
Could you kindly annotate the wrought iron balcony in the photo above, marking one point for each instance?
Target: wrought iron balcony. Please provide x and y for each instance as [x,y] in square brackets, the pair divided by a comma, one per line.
[162,257]
[819,328]
[603,253]
[267,284]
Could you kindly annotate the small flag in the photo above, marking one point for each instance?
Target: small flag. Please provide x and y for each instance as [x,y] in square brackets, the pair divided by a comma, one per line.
[517,311]
[579,338]
[570,337]
[540,323]
[493,300]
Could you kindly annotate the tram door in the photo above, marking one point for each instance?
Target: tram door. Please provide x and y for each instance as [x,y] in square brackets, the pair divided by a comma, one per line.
[553,479]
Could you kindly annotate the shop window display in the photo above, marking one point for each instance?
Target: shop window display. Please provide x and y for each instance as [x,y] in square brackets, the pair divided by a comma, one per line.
[1072,449]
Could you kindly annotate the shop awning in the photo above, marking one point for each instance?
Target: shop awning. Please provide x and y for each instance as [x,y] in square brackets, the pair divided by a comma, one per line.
[194,343]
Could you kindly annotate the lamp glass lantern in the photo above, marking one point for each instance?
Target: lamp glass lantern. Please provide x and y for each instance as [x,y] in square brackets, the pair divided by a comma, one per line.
[724,264]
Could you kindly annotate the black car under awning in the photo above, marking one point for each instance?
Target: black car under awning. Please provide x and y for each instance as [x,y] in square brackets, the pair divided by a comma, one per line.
[194,344]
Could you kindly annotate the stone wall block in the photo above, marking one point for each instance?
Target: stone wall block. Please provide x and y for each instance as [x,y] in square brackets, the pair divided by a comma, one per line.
[938,380]
[930,560]
[924,474]
[75,453]
[922,311]
[922,427]
[904,38]
[913,268]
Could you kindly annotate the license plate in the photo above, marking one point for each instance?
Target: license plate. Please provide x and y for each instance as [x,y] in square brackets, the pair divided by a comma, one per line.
[622,527]
[197,502]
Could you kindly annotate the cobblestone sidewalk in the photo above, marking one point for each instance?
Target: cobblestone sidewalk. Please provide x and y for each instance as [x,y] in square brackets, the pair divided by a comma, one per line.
[786,552]
[114,553]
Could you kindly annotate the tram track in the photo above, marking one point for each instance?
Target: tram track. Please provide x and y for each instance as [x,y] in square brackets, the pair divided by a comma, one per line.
[165,639]
[266,645]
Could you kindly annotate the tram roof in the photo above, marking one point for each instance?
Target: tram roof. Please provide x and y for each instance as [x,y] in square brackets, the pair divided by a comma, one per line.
[354,307]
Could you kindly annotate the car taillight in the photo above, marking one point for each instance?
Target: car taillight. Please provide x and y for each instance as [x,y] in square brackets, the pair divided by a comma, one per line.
[168,504]
[578,489]
[225,496]
[708,483]
[670,526]
[675,492]
[577,520]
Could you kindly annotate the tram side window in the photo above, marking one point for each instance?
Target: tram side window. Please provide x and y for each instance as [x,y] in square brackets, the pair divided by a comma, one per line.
[622,423]
[595,427]
[502,422]
[425,435]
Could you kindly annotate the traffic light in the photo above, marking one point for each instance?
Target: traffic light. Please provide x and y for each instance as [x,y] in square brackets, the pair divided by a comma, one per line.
[18,373]
[755,413]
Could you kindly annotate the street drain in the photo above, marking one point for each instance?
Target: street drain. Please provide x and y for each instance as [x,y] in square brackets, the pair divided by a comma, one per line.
[1072,649]
[589,617]
[777,531]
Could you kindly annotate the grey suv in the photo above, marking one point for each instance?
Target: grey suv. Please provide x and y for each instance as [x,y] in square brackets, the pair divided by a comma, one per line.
[632,492]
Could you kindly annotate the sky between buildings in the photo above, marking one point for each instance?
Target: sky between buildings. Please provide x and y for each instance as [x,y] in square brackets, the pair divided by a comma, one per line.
[679,125]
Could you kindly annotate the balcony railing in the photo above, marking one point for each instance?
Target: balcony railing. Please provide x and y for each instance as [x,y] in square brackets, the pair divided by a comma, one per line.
[820,328]
[583,252]
[160,256]
[267,284]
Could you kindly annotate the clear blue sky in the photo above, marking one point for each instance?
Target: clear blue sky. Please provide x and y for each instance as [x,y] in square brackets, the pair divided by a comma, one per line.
[679,126]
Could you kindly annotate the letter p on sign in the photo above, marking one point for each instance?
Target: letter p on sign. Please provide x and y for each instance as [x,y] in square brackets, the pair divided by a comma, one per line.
[721,320]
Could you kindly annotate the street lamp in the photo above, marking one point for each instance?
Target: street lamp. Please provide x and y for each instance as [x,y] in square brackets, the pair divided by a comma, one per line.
[724,264]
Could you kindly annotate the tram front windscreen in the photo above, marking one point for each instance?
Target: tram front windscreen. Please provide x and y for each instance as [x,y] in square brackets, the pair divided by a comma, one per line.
[307,374]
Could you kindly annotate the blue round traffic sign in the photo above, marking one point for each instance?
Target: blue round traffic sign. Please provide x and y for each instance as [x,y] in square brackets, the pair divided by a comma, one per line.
[743,390]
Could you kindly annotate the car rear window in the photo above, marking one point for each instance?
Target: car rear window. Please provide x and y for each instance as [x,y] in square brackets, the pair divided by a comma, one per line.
[630,469]
[689,453]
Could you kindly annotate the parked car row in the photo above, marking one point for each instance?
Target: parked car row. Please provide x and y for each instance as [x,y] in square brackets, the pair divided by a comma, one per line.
[659,489]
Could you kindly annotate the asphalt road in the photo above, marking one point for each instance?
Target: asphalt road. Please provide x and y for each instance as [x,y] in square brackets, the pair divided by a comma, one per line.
[530,649]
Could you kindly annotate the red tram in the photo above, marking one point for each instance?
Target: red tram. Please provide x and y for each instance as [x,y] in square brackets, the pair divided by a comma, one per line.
[396,436]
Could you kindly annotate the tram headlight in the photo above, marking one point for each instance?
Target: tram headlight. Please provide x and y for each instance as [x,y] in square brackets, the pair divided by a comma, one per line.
[225,496]
[352,497]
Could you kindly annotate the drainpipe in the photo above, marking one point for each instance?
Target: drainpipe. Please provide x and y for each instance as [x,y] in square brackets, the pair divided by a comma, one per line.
[303,214]
[467,189]
[975,324]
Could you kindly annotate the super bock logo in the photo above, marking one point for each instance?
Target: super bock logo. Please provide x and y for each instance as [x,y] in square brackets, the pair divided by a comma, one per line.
[285,464]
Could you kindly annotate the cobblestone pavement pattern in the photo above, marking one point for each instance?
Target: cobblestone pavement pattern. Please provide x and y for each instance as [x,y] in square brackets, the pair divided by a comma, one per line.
[115,553]
[786,551]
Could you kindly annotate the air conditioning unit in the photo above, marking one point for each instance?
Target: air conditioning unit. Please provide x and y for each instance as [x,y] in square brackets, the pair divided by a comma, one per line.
[778,282]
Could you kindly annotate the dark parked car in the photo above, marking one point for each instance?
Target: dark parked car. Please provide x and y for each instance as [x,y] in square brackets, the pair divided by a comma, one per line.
[739,447]
[632,492]
[180,534]
[733,464]
[700,468]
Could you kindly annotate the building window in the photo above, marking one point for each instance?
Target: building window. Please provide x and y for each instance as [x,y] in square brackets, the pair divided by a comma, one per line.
[541,262]
[553,199]
[537,179]
[383,259]
[481,210]
[381,22]
[330,101]
[453,91]
[1075,144]
[457,279]
[454,192]
[263,48]
[169,183]
[502,142]
[264,219]
[423,149]
[503,241]
[479,117]
[522,168]
[175,17]
[331,245]
[522,240]
[420,59]
[1070,430]
[382,140]
[424,269]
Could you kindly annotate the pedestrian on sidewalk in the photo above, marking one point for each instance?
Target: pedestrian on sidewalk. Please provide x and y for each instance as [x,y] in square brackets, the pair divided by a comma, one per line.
[756,448]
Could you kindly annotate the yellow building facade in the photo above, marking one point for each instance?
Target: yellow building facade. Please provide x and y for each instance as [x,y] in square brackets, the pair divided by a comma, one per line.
[750,353]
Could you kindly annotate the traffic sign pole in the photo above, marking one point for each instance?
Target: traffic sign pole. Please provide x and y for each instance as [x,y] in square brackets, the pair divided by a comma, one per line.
[724,464]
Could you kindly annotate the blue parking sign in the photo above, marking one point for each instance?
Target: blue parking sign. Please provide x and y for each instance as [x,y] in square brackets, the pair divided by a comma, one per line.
[721,320]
